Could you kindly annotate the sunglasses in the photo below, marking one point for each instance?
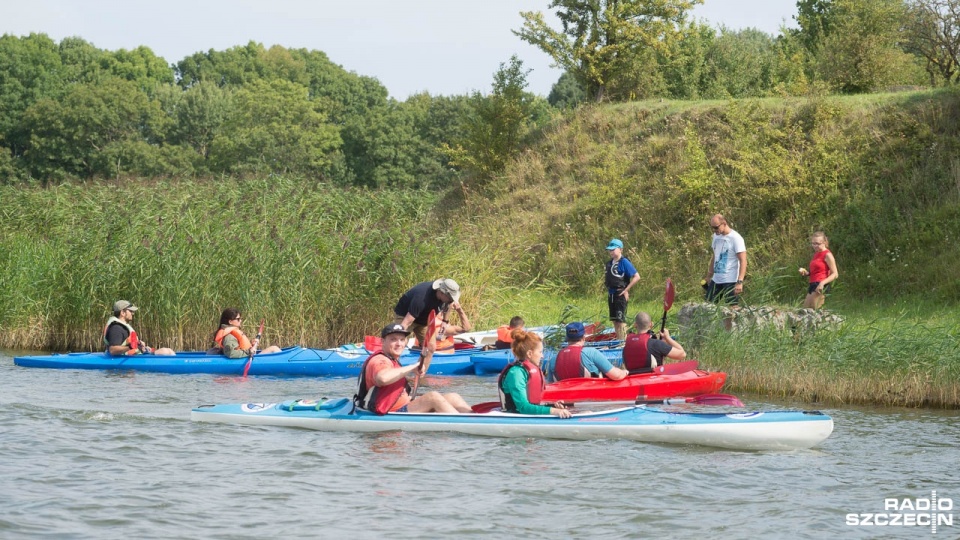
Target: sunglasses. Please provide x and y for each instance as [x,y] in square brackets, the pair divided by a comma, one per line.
[715,227]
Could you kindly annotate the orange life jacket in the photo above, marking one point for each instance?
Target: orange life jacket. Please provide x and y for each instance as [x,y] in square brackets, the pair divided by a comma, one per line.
[242,338]
[132,341]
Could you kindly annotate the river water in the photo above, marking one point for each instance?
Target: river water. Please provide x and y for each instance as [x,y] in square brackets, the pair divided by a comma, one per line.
[103,455]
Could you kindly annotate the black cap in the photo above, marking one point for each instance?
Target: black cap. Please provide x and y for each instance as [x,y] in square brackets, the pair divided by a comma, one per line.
[393,329]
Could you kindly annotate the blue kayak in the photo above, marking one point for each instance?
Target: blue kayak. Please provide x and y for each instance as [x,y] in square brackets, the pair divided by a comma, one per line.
[289,362]
[774,430]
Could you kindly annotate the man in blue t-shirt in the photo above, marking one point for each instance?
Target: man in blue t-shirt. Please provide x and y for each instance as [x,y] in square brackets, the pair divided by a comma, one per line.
[619,276]
[575,360]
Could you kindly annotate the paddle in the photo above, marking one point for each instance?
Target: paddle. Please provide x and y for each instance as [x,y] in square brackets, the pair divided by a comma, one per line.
[253,349]
[427,339]
[667,303]
[705,399]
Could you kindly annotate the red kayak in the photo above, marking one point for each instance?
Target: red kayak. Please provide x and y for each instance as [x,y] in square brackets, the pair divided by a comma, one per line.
[672,380]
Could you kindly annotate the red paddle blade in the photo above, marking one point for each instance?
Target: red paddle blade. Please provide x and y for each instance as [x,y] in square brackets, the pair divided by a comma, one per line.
[716,399]
[668,295]
[431,329]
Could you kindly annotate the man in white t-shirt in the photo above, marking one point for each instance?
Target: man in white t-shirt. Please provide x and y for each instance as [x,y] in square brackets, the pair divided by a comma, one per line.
[728,263]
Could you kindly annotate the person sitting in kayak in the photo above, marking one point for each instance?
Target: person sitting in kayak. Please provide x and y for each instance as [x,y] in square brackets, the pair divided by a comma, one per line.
[230,340]
[382,386]
[575,360]
[644,350]
[503,333]
[521,382]
[121,339]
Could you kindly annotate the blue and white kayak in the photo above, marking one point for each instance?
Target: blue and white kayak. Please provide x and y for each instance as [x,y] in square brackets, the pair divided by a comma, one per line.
[289,362]
[775,430]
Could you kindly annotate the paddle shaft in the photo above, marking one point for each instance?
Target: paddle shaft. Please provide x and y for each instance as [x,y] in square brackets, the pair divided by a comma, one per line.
[253,348]
[667,303]
[427,338]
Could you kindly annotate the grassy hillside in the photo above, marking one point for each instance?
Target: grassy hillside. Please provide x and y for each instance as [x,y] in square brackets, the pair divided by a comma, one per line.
[879,174]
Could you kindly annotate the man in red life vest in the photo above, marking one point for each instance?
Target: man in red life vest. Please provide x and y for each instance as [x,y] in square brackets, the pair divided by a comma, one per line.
[383,387]
[644,351]
[575,360]
[121,339]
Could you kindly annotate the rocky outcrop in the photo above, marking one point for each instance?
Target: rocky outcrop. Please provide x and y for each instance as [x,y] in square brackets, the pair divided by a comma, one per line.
[699,318]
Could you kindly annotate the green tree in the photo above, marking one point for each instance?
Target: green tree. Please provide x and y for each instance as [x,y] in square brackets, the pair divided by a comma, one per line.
[275,127]
[739,64]
[861,50]
[198,114]
[139,65]
[609,45]
[498,122]
[30,69]
[566,93]
[66,135]
[933,34]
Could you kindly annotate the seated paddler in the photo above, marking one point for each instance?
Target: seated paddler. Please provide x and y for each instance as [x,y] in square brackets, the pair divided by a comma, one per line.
[121,339]
[383,384]
[521,382]
[575,360]
[644,350]
[230,340]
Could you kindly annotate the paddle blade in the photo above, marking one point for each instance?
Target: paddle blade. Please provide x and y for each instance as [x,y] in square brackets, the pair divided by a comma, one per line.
[716,399]
[486,406]
[372,343]
[668,295]
[431,330]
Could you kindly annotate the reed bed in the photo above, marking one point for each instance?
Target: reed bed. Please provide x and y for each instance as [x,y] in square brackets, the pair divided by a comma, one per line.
[322,266]
[897,361]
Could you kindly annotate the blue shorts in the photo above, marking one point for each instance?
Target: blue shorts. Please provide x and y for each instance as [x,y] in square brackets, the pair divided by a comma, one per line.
[402,409]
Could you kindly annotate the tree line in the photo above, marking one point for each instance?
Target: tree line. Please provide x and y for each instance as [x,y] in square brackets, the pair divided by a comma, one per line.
[69,110]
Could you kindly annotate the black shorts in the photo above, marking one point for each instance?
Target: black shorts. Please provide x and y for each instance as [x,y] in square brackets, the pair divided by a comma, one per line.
[618,307]
[813,287]
[722,293]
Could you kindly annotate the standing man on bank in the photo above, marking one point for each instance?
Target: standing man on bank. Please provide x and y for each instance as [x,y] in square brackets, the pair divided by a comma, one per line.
[619,276]
[728,263]
[414,307]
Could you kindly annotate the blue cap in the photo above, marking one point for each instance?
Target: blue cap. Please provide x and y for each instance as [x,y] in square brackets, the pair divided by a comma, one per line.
[575,331]
[614,244]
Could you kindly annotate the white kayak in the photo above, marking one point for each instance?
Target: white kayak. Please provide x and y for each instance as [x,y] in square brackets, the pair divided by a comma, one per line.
[771,430]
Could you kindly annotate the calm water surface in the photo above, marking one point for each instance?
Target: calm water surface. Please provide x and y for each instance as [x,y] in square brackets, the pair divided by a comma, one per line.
[93,454]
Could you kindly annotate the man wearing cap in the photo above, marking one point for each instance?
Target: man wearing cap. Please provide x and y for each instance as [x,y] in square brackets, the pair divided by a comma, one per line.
[121,339]
[382,386]
[619,276]
[414,307]
[575,360]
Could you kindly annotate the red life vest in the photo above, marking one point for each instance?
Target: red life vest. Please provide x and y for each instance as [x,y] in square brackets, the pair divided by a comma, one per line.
[378,399]
[242,338]
[132,341]
[568,365]
[635,353]
[818,267]
[535,385]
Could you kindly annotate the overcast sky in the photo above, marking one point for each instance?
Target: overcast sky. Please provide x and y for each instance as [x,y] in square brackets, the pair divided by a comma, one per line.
[441,46]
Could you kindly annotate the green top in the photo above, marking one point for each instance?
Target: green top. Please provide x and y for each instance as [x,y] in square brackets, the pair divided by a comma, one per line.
[515,384]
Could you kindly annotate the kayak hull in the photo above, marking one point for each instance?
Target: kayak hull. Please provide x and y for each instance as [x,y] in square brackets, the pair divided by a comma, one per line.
[289,362]
[776,430]
[645,386]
